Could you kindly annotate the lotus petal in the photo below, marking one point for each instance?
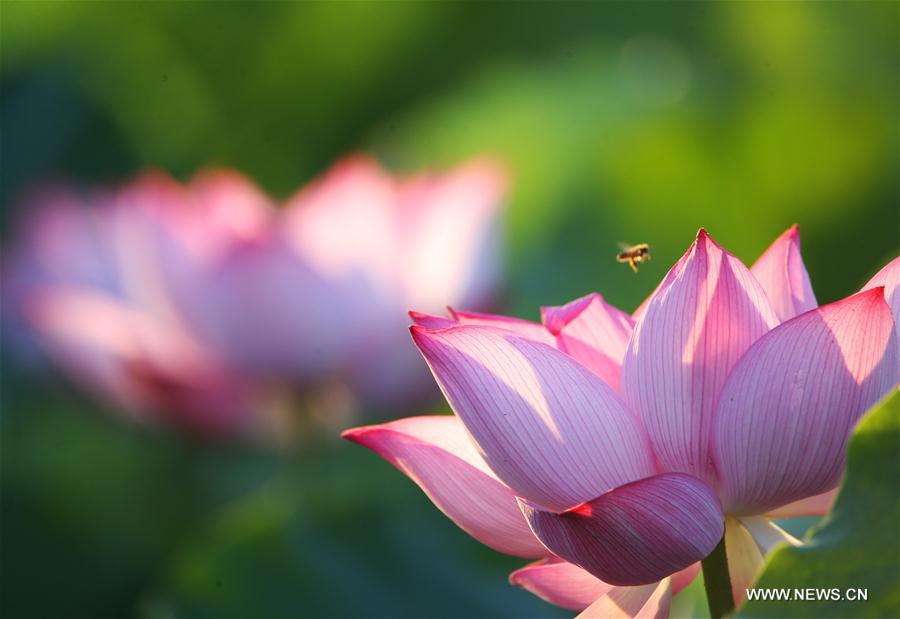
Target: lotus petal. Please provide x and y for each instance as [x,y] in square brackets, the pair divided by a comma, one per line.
[782,274]
[636,534]
[708,311]
[436,453]
[785,414]
[449,235]
[551,430]
[651,601]
[564,584]
[429,321]
[519,326]
[817,505]
[593,332]
[151,370]
[889,277]
[561,583]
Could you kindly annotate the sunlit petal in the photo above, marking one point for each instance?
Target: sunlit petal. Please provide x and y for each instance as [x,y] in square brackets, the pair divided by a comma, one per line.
[786,412]
[551,430]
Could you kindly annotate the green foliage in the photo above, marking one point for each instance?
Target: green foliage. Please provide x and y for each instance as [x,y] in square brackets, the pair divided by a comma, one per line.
[858,545]
[618,122]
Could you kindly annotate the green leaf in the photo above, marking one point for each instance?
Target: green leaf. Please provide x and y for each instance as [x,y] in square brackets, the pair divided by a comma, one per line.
[858,545]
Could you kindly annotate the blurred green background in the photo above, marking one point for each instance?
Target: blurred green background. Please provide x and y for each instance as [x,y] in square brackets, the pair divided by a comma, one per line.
[634,122]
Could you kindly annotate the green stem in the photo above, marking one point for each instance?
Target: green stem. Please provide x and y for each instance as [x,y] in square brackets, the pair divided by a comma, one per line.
[717,582]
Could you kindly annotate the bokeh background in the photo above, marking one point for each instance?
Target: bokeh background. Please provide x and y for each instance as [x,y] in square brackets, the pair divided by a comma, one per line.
[634,122]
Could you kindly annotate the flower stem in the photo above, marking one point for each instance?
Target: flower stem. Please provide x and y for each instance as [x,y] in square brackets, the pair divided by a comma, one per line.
[717,582]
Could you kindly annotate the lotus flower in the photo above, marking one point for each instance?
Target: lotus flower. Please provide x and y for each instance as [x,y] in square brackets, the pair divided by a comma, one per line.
[618,450]
[195,304]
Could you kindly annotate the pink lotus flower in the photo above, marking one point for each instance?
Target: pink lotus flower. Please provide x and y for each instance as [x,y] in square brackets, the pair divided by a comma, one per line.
[618,451]
[195,303]
[83,285]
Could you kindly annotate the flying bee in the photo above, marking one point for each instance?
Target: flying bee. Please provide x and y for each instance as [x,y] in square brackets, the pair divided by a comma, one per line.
[633,254]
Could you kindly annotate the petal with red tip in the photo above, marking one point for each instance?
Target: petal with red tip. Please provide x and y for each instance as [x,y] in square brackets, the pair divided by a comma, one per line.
[436,453]
[551,430]
[707,312]
[430,321]
[782,274]
[889,277]
[785,414]
[637,533]
[519,326]
[651,601]
[593,332]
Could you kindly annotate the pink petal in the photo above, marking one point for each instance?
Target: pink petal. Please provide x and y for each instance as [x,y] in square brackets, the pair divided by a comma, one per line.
[232,207]
[674,272]
[782,274]
[551,430]
[564,584]
[430,240]
[707,312]
[889,277]
[651,601]
[639,311]
[150,369]
[218,212]
[680,580]
[450,235]
[525,328]
[269,311]
[436,453]
[215,247]
[817,505]
[61,240]
[344,224]
[593,332]
[786,412]
[431,322]
[637,533]
[197,221]
[560,582]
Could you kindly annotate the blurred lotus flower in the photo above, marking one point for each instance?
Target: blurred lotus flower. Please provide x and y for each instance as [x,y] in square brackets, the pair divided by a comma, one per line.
[617,450]
[198,303]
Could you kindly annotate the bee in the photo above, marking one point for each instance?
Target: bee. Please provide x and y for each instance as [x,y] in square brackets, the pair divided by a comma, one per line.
[633,254]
